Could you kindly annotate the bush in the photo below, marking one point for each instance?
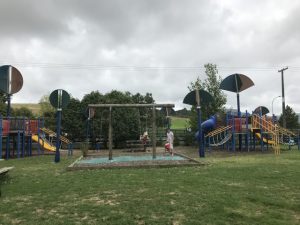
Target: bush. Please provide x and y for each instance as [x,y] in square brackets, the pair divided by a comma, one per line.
[190,139]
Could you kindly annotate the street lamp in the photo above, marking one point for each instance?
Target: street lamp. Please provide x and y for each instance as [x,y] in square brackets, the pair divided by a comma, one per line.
[282,95]
[273,102]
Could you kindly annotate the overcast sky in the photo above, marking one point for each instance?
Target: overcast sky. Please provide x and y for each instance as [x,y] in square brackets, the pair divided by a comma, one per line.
[156,46]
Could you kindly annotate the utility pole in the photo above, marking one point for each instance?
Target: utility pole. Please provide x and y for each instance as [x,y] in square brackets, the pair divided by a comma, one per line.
[282,95]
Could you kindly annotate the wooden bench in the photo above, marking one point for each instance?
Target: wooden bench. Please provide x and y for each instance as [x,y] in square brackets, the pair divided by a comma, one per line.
[4,171]
[136,145]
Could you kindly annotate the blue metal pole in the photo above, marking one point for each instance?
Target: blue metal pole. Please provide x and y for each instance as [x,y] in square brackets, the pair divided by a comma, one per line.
[8,105]
[227,123]
[261,132]
[57,153]
[8,140]
[38,136]
[18,144]
[23,137]
[239,116]
[298,141]
[247,131]
[30,145]
[1,136]
[233,134]
[200,138]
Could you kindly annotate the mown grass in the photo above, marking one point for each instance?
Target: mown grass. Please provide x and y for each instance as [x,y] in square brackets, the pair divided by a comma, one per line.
[179,122]
[244,189]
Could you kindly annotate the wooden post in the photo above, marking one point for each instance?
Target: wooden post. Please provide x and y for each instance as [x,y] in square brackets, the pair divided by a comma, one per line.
[110,134]
[154,132]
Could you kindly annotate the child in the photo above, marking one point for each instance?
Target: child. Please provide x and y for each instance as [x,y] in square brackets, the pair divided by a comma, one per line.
[170,140]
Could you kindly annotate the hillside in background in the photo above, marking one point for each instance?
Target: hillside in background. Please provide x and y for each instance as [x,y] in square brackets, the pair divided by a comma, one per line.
[179,123]
[183,113]
[34,107]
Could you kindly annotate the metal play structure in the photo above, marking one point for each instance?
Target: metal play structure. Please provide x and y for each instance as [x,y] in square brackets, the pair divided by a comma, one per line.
[254,129]
[242,131]
[19,133]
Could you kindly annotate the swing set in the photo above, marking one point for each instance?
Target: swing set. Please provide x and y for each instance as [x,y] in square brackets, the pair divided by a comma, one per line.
[92,108]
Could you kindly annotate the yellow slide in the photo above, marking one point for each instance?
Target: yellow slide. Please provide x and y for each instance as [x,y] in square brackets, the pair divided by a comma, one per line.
[44,143]
[265,140]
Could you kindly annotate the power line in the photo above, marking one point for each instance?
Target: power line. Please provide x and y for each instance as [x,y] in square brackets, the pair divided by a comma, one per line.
[74,66]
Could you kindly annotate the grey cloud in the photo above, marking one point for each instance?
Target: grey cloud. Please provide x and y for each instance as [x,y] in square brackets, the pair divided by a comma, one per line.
[124,39]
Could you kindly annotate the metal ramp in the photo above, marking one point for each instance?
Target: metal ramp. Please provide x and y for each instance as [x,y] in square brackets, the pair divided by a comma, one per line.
[53,134]
[219,136]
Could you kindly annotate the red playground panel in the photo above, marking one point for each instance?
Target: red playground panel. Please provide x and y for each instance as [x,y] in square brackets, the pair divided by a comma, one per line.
[33,126]
[5,127]
[238,124]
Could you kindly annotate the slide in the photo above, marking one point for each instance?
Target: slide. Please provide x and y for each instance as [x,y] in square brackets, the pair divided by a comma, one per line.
[265,140]
[44,143]
[208,125]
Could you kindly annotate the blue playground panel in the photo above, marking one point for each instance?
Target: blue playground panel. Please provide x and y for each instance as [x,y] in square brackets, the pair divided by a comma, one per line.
[117,159]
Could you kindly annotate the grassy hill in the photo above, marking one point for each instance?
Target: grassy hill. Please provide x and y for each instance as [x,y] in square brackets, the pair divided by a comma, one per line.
[179,122]
[34,107]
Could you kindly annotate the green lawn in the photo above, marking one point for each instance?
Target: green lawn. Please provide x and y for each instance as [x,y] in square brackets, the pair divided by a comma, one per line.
[179,123]
[247,189]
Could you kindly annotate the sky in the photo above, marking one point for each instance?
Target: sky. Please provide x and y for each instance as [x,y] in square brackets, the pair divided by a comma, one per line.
[155,46]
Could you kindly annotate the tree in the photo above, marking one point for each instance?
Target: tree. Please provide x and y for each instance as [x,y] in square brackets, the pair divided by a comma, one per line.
[48,112]
[73,118]
[211,84]
[291,118]
[23,111]
[3,106]
[126,121]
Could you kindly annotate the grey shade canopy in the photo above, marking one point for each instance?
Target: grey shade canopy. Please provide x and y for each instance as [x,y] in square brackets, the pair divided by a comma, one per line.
[59,98]
[190,98]
[264,110]
[236,83]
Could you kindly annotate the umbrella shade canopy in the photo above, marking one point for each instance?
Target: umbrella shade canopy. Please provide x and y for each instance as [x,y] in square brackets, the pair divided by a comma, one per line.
[236,83]
[264,110]
[205,98]
[11,80]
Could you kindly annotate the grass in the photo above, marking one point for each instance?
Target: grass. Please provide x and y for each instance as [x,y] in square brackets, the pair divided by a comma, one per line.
[179,122]
[245,188]
[35,108]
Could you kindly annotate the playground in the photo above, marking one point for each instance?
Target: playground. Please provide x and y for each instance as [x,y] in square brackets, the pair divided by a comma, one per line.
[241,169]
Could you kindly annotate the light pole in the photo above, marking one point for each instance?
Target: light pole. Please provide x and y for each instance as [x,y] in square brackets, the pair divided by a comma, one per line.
[283,98]
[273,102]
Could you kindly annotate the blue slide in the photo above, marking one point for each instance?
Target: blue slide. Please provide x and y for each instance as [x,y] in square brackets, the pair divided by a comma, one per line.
[208,125]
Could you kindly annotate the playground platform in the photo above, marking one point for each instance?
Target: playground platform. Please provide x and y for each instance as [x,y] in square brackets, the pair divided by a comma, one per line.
[144,160]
